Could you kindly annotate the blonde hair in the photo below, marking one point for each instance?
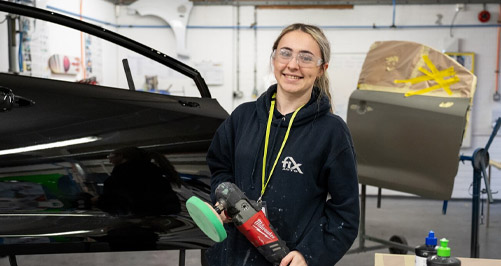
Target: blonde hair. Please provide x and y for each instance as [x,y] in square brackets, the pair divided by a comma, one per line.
[317,34]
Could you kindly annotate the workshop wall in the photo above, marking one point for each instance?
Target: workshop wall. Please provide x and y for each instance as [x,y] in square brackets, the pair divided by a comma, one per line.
[49,39]
[234,45]
[240,39]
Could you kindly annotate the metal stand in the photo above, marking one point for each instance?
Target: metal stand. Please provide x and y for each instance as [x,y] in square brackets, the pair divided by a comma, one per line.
[396,244]
[12,260]
[479,161]
[182,257]
[488,203]
[475,204]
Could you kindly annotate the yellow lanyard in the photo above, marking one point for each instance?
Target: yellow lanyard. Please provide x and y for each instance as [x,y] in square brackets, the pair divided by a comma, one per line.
[268,126]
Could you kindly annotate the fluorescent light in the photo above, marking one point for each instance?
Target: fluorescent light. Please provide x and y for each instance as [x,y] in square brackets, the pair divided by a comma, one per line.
[51,234]
[50,145]
[48,214]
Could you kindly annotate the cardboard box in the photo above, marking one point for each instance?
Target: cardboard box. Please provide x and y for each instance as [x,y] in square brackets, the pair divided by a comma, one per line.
[409,260]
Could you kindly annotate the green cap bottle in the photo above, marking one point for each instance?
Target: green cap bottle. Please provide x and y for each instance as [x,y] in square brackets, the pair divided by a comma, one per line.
[444,250]
[443,257]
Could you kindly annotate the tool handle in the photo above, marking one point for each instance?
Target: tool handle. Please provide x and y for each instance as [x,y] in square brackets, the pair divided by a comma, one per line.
[264,237]
[274,252]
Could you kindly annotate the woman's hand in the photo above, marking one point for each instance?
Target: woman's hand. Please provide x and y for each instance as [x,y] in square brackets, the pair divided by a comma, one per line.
[223,216]
[294,258]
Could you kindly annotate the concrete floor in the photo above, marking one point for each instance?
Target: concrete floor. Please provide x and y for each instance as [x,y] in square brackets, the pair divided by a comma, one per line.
[411,218]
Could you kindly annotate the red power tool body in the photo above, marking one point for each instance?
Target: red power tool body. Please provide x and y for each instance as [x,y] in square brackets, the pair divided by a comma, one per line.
[250,220]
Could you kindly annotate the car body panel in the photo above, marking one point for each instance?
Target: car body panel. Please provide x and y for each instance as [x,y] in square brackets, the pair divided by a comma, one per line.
[408,118]
[45,194]
[407,144]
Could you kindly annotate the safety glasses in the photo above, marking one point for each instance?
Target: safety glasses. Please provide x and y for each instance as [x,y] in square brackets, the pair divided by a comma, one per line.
[305,60]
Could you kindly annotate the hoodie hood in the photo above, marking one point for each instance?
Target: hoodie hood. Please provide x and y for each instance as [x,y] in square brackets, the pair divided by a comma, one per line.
[318,104]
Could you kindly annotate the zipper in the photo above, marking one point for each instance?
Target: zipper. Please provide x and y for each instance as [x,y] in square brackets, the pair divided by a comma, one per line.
[255,161]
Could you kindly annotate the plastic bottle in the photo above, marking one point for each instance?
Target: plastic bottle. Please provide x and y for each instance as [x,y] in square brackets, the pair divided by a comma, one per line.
[443,257]
[426,250]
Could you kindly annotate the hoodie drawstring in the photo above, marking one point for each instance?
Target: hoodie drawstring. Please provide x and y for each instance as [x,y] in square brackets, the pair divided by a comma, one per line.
[264,180]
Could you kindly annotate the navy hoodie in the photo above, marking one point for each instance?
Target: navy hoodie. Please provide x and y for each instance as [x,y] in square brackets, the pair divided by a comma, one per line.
[318,159]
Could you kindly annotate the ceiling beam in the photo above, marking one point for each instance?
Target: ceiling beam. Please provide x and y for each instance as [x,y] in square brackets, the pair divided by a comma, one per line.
[337,2]
[294,6]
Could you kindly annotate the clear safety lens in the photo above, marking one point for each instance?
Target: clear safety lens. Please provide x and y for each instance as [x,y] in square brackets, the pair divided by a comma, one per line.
[305,60]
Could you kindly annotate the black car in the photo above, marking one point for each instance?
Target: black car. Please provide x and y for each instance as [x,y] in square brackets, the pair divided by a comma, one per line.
[45,193]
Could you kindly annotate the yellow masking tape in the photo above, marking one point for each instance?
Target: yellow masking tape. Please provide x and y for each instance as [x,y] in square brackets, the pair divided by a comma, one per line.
[445,85]
[430,65]
[435,75]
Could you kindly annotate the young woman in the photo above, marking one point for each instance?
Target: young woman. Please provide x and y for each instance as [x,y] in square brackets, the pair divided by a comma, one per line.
[290,151]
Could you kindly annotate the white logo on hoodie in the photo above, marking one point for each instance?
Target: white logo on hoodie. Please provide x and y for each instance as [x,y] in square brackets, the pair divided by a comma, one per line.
[288,164]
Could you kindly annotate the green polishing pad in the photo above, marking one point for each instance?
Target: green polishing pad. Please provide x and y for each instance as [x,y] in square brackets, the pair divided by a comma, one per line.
[206,218]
